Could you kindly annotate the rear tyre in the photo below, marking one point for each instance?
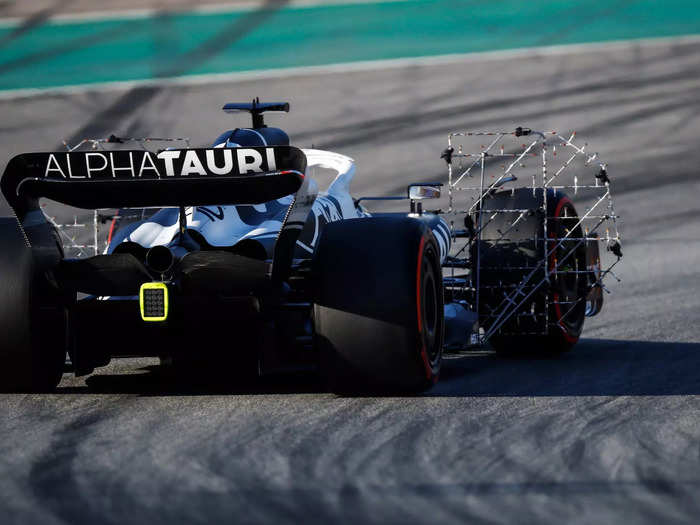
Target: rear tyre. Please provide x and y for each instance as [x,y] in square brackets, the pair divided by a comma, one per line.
[32,347]
[378,310]
[559,306]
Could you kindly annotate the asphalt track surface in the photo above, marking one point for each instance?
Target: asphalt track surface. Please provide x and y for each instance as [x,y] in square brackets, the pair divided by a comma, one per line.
[607,434]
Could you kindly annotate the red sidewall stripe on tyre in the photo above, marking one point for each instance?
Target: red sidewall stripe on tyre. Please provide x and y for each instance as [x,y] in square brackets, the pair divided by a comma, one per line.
[557,309]
[111,231]
[423,351]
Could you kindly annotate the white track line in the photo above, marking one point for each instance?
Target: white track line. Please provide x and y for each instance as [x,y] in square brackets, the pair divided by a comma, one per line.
[349,67]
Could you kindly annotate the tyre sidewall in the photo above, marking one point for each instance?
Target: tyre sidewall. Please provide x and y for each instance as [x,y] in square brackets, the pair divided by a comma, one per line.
[368,273]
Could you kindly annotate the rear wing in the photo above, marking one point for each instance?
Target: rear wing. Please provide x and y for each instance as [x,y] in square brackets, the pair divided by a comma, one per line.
[140,178]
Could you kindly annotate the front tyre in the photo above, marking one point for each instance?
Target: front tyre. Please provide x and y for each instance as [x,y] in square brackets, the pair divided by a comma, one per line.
[510,249]
[378,309]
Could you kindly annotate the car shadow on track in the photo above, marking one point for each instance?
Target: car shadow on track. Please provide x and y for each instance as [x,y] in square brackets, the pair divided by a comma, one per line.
[156,380]
[595,367]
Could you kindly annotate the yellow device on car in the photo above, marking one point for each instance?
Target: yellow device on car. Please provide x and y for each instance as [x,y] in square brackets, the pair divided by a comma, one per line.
[153,300]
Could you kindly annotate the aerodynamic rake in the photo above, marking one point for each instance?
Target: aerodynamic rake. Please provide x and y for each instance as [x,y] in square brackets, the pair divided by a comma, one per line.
[479,164]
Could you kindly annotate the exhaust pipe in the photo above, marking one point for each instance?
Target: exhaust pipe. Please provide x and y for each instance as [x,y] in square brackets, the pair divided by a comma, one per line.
[160,259]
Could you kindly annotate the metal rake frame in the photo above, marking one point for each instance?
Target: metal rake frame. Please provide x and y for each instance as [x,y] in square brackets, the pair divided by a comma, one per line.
[462,166]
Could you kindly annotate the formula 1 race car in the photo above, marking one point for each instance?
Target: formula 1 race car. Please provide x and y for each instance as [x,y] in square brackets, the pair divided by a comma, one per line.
[238,258]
